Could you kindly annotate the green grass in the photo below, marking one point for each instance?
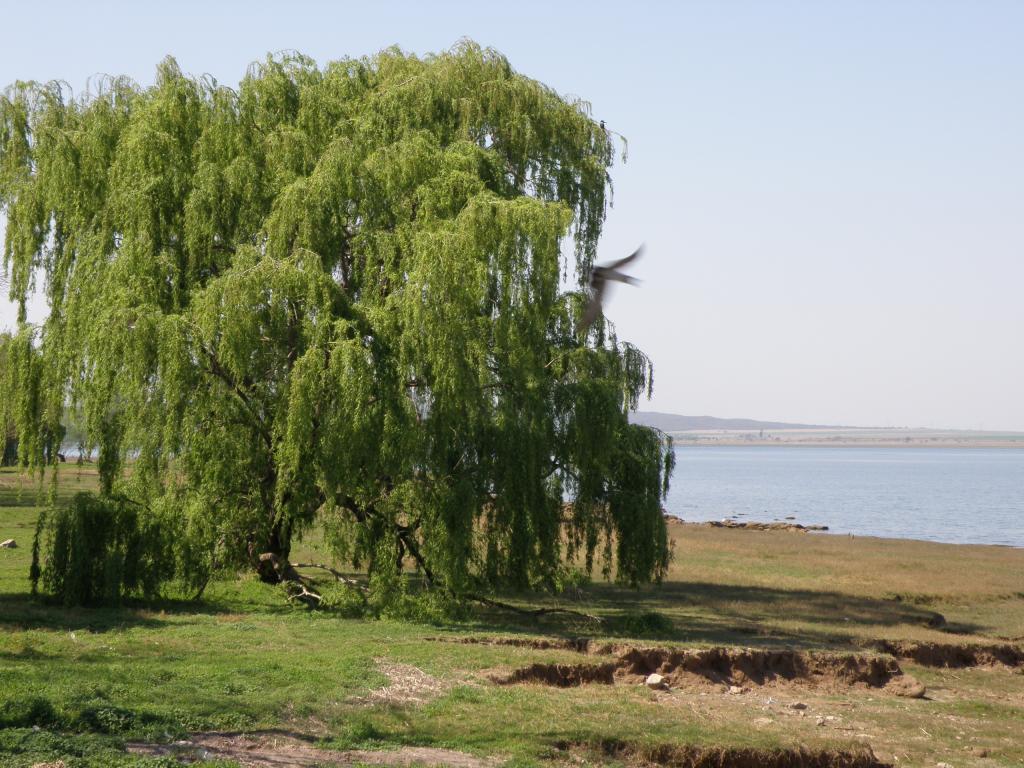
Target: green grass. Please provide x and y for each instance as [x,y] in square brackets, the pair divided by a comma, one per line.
[76,684]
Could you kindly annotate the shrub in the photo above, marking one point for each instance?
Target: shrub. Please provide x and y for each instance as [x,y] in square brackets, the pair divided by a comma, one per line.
[26,712]
[100,549]
[106,719]
[427,607]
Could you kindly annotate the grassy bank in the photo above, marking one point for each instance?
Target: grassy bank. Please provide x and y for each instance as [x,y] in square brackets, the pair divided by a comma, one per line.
[78,684]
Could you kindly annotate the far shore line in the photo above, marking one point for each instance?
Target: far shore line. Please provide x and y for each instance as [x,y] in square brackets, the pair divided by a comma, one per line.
[732,442]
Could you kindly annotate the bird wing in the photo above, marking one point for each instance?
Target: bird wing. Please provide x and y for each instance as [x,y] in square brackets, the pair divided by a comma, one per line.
[623,262]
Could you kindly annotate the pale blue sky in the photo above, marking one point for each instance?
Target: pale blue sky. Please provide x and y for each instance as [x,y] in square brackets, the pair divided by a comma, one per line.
[832,193]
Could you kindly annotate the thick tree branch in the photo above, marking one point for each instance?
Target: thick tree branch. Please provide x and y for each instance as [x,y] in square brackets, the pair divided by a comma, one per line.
[224,375]
[406,537]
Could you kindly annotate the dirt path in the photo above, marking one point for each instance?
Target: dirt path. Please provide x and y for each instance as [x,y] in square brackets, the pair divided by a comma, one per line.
[282,750]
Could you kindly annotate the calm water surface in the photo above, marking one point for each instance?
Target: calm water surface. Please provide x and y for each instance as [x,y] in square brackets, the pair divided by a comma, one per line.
[939,494]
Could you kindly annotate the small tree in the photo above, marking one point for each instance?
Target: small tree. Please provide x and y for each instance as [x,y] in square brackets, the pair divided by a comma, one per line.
[102,549]
[335,294]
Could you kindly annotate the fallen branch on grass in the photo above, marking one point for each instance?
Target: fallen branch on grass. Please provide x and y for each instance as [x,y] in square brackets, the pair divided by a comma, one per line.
[338,576]
[298,591]
[536,612]
[272,568]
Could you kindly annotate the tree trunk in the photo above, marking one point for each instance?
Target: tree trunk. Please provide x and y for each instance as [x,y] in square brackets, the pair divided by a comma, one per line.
[271,557]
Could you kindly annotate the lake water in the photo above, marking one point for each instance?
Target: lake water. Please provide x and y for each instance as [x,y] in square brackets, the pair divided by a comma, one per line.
[940,494]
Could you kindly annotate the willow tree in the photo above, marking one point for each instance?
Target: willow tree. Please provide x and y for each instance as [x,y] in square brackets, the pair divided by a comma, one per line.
[336,294]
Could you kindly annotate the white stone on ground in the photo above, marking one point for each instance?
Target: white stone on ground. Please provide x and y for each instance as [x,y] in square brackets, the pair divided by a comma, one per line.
[655,681]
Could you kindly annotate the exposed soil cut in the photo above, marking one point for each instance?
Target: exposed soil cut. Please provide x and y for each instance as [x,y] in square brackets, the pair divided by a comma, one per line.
[575,644]
[691,756]
[727,667]
[280,750]
[955,656]
[565,675]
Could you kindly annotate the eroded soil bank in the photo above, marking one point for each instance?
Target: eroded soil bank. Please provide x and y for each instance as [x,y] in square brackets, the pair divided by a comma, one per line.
[950,655]
[690,756]
[727,667]
[927,654]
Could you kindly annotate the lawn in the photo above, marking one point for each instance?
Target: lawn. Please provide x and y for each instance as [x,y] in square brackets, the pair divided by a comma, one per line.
[78,685]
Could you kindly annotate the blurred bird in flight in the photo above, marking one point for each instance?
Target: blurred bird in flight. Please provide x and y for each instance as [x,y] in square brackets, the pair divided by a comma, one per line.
[599,275]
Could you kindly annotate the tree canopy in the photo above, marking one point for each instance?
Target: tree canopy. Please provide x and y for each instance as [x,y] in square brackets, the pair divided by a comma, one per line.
[334,294]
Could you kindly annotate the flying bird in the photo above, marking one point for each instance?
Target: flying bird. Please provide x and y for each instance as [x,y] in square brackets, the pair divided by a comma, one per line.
[599,275]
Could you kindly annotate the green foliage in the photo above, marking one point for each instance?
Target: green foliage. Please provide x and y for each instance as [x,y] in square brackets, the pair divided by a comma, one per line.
[8,430]
[334,293]
[99,550]
[27,430]
[344,600]
[426,607]
[571,581]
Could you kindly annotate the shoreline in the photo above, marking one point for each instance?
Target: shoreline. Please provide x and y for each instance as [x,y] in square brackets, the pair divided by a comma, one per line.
[792,527]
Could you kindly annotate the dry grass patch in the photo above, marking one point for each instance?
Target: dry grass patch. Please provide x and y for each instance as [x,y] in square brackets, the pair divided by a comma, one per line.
[406,685]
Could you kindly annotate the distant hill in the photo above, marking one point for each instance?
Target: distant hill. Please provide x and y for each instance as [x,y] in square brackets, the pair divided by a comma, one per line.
[673,422]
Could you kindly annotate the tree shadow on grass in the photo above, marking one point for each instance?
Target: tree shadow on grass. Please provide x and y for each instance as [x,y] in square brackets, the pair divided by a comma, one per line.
[678,612]
[719,614]
[22,611]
